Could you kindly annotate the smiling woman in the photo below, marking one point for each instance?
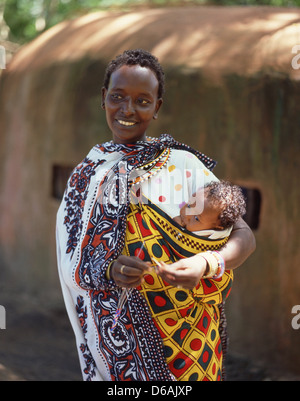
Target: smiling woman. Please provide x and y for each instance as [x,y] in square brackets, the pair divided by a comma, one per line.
[131,322]
[131,102]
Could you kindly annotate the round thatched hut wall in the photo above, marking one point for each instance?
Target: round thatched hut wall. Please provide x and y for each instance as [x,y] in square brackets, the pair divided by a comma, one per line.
[233,91]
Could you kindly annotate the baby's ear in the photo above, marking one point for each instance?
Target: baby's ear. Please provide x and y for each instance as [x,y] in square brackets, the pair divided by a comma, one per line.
[219,228]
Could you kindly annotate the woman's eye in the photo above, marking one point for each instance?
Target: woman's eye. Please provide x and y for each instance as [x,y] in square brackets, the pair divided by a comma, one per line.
[188,205]
[196,218]
[143,101]
[116,96]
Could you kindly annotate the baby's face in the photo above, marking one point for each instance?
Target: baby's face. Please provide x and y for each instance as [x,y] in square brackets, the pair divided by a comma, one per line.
[199,214]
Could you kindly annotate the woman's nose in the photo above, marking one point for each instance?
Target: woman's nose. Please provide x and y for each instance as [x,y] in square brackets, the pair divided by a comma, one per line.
[128,108]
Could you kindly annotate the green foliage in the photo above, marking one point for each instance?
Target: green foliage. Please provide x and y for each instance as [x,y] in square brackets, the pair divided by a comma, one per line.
[28,18]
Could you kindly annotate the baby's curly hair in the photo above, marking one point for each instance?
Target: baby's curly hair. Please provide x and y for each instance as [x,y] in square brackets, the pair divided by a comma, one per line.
[137,57]
[231,199]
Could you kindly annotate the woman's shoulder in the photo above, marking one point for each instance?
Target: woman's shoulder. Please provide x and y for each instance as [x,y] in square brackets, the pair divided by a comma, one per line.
[185,158]
[104,150]
[189,164]
[187,153]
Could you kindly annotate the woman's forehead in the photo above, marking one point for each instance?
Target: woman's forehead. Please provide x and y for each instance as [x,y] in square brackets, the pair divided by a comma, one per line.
[134,76]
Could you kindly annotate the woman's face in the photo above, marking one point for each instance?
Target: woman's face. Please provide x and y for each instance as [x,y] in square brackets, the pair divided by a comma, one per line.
[131,102]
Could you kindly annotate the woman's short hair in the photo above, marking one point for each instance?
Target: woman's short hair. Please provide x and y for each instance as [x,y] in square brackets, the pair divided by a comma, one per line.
[137,57]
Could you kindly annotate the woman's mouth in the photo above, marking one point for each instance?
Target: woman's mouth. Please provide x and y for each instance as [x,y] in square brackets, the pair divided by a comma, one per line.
[126,123]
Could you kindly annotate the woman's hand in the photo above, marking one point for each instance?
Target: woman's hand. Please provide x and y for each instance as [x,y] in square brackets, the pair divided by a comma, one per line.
[128,271]
[185,273]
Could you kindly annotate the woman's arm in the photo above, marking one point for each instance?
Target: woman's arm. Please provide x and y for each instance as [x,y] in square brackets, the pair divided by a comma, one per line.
[187,272]
[240,246]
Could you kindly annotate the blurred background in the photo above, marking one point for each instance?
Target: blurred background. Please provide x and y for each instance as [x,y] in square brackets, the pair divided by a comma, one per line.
[232,91]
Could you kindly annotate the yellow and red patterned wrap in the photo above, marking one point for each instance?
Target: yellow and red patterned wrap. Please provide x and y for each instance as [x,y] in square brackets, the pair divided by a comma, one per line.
[187,320]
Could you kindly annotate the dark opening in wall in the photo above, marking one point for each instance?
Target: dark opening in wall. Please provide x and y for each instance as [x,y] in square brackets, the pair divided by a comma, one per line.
[60,175]
[253,205]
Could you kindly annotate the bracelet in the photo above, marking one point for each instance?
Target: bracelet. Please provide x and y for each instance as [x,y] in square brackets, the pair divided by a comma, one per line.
[107,273]
[216,264]
[213,265]
[221,264]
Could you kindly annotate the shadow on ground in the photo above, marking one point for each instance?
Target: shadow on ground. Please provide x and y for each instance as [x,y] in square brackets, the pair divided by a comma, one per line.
[40,346]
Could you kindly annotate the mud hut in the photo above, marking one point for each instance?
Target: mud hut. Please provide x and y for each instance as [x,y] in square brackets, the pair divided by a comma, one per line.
[233,91]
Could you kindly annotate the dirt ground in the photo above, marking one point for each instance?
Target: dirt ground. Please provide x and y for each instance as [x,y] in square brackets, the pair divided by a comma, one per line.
[38,345]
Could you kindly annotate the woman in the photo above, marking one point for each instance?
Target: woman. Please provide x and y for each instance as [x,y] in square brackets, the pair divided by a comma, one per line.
[133,322]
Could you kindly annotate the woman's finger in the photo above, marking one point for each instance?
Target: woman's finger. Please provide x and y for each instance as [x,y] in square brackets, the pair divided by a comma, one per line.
[123,280]
[129,271]
[133,271]
[132,262]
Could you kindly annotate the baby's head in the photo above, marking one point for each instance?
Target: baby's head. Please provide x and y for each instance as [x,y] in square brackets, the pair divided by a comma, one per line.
[217,206]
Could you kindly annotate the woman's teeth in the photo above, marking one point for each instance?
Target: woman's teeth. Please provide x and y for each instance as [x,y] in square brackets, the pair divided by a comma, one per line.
[126,123]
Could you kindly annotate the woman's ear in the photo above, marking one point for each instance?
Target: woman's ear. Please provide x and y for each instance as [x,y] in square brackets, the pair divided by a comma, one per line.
[158,105]
[103,96]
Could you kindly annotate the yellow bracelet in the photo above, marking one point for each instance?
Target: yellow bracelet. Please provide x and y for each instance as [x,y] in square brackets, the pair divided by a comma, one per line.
[107,274]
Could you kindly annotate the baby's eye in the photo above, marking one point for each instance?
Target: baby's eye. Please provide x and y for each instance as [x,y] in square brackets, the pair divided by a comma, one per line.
[197,218]
[188,205]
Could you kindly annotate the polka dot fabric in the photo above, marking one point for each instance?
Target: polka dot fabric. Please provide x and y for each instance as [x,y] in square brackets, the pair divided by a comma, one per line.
[179,176]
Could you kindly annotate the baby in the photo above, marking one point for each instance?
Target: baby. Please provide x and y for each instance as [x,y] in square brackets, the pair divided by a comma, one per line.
[213,210]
